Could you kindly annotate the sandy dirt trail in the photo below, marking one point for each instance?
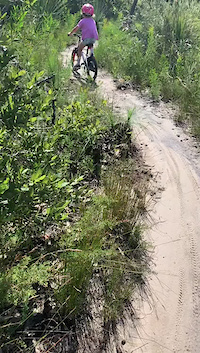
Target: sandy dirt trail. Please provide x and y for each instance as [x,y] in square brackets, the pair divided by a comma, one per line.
[170,320]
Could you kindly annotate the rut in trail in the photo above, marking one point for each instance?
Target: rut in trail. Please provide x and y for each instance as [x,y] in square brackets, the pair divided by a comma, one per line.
[170,320]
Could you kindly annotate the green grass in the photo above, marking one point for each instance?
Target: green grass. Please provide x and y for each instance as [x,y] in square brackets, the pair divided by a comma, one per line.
[158,50]
[109,239]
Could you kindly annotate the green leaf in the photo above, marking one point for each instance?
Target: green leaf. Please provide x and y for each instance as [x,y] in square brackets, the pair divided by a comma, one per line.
[32,120]
[48,210]
[4,15]
[22,73]
[37,177]
[25,188]
[25,171]
[4,186]
[53,158]
[62,183]
[64,216]
[11,101]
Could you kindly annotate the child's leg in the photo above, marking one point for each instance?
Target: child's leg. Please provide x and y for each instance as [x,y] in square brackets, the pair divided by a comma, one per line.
[80,48]
[92,50]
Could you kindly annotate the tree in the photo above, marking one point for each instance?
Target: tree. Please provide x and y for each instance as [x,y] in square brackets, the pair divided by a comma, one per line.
[133,7]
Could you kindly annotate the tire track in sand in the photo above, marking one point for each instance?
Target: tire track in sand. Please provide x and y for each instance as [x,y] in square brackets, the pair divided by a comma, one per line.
[193,252]
[179,310]
[187,313]
[174,323]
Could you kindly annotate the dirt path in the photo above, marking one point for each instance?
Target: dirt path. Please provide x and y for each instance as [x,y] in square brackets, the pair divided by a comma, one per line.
[170,321]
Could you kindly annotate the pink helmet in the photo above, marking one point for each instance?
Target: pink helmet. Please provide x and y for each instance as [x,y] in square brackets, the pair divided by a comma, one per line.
[88,10]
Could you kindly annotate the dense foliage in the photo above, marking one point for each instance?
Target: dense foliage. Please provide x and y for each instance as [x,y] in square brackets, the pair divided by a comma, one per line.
[158,48]
[60,235]
[111,7]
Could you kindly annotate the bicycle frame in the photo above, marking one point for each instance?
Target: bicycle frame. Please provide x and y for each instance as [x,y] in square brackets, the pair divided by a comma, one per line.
[84,55]
[87,62]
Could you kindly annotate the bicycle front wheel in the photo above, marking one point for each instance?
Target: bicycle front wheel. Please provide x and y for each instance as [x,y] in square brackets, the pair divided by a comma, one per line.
[74,61]
[92,67]
[74,57]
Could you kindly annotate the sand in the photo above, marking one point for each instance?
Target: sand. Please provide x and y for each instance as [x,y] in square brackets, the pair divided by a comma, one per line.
[169,320]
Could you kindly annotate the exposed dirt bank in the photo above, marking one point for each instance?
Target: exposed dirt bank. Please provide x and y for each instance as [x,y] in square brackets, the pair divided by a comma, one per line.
[170,321]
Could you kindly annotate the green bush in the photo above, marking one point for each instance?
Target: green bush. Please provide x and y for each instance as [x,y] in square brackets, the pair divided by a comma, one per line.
[127,56]
[159,49]
[21,279]
[56,231]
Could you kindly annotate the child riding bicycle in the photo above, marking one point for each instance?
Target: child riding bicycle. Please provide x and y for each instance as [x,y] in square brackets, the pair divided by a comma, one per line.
[89,30]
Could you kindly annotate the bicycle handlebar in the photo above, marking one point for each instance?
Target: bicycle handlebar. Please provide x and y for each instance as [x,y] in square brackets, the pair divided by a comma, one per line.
[77,35]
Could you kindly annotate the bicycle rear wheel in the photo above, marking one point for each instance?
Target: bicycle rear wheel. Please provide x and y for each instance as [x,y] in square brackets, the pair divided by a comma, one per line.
[92,67]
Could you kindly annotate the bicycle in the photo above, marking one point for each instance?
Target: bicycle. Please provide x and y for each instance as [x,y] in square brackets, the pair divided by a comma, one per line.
[88,62]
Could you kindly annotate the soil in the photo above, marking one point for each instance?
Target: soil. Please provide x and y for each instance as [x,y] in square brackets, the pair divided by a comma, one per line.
[169,320]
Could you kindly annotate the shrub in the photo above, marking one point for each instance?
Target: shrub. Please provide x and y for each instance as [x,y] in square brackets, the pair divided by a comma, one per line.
[158,48]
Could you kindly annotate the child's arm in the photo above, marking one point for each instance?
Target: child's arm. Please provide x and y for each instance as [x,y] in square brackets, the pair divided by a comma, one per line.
[74,30]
